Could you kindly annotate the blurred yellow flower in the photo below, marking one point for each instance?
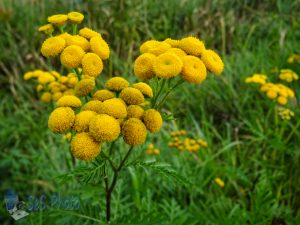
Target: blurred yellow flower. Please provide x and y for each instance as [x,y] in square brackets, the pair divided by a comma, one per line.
[53,46]
[82,120]
[71,56]
[143,66]
[75,17]
[92,64]
[132,96]
[192,46]
[134,131]
[68,101]
[144,88]
[61,119]
[100,47]
[116,84]
[219,182]
[194,70]
[102,95]
[152,120]
[58,19]
[212,61]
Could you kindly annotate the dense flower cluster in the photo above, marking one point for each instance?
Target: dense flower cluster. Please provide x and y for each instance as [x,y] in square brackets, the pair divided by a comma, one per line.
[182,142]
[279,92]
[285,113]
[294,58]
[288,75]
[187,57]
[151,150]
[85,49]
[106,117]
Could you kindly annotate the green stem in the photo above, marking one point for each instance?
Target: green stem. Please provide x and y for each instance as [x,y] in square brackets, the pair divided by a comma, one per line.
[74,28]
[292,132]
[158,93]
[109,189]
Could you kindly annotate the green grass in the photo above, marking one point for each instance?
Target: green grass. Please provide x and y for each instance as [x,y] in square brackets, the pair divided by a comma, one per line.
[257,158]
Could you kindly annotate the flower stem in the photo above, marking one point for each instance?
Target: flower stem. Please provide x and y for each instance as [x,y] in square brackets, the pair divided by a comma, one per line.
[158,93]
[109,189]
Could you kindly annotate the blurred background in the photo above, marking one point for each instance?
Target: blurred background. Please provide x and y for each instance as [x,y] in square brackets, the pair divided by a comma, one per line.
[259,166]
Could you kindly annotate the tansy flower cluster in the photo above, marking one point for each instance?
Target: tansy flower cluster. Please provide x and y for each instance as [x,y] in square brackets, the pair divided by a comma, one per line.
[257,78]
[285,113]
[187,57]
[294,58]
[181,142]
[84,51]
[219,182]
[278,92]
[118,110]
[288,75]
[151,150]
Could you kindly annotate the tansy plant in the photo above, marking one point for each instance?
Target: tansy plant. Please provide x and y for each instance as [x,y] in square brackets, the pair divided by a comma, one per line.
[97,119]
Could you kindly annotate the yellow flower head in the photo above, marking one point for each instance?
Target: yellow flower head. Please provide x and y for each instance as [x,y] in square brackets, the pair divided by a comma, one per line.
[177,51]
[288,75]
[102,95]
[219,182]
[172,42]
[92,65]
[56,96]
[144,88]
[192,46]
[46,97]
[143,66]
[58,19]
[271,94]
[134,131]
[45,78]
[79,41]
[94,105]
[66,36]
[135,111]
[71,56]
[132,96]
[28,75]
[152,120]
[84,147]
[194,70]
[167,65]
[285,113]
[88,33]
[115,107]
[100,47]
[257,78]
[61,119]
[116,84]
[55,74]
[53,46]
[84,87]
[72,81]
[282,100]
[39,87]
[82,121]
[75,17]
[47,29]
[104,128]
[68,101]
[69,92]
[154,47]
[213,62]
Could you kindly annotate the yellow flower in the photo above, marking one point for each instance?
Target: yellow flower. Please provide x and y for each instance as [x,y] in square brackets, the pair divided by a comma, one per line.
[58,20]
[271,94]
[28,76]
[94,105]
[71,56]
[102,95]
[135,111]
[152,120]
[167,65]
[172,42]
[285,113]
[282,100]
[116,84]
[257,78]
[154,47]
[55,74]
[144,88]
[66,36]
[294,58]
[69,101]
[72,81]
[61,119]
[143,66]
[82,121]
[69,92]
[53,46]
[67,136]
[79,41]
[288,75]
[92,65]
[192,46]
[219,182]
[115,107]
[45,78]
[47,29]
[134,131]
[132,96]
[39,87]
[177,51]
[100,47]
[84,147]
[75,17]
[84,87]
[63,79]
[56,96]
[104,128]
[46,97]
[88,33]
[194,70]
[213,62]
